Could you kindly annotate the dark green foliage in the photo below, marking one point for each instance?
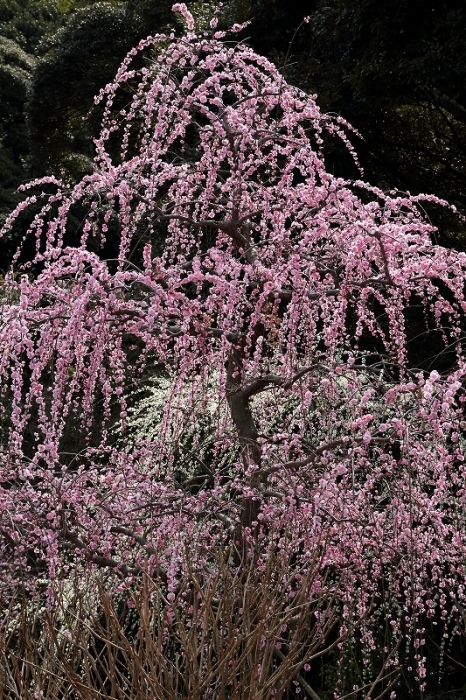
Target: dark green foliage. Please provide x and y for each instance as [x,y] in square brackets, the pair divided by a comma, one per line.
[16,68]
[27,21]
[147,16]
[397,71]
[78,60]
[23,23]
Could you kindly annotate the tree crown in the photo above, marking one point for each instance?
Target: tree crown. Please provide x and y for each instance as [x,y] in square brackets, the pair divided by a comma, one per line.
[259,282]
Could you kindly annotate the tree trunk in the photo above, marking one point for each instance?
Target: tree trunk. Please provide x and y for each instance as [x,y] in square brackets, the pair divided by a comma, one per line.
[241,414]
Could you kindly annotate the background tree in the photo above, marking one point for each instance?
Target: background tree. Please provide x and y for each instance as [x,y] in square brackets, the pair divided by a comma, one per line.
[26,22]
[76,62]
[15,73]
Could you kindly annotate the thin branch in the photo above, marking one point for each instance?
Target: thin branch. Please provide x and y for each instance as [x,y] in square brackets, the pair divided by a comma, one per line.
[319,451]
[305,686]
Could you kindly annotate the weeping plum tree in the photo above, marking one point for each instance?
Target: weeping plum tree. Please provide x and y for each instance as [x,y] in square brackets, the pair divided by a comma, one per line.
[257,281]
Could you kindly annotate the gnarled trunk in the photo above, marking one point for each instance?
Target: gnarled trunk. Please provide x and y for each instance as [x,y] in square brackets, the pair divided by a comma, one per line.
[243,419]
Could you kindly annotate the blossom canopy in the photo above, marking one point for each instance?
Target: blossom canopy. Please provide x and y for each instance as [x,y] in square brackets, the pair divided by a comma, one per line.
[257,280]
